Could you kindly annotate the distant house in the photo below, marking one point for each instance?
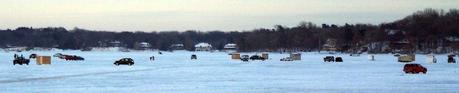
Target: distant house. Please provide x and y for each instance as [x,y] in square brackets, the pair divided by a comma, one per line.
[15,48]
[115,44]
[453,45]
[203,47]
[142,45]
[452,39]
[330,45]
[401,46]
[394,32]
[230,46]
[378,47]
[177,47]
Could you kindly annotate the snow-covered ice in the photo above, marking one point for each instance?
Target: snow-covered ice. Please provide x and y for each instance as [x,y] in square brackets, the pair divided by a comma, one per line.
[174,72]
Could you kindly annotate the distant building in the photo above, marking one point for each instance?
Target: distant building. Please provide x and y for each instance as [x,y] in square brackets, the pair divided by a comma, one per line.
[230,46]
[115,44]
[203,47]
[177,47]
[330,45]
[453,44]
[15,48]
[402,46]
[142,45]
[452,39]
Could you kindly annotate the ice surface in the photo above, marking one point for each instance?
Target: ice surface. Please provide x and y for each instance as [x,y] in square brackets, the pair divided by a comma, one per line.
[174,72]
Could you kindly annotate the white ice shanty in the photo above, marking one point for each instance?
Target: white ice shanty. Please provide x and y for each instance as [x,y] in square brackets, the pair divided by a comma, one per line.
[203,47]
[431,58]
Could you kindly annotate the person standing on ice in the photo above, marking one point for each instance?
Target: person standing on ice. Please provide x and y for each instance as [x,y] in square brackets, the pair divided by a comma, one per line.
[152,58]
[371,57]
[434,59]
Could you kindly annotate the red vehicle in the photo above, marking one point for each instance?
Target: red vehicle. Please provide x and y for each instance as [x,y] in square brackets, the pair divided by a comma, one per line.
[414,68]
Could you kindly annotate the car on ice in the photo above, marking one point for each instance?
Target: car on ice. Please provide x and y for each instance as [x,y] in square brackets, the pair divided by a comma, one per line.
[338,59]
[286,59]
[73,57]
[59,55]
[354,54]
[124,61]
[21,61]
[194,57]
[414,68]
[32,56]
[329,59]
[245,58]
[257,57]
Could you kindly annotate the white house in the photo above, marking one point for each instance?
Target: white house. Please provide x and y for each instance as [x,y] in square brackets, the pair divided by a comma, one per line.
[144,45]
[330,45]
[230,46]
[177,47]
[203,47]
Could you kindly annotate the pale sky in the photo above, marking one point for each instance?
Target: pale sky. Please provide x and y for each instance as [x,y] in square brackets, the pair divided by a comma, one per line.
[204,15]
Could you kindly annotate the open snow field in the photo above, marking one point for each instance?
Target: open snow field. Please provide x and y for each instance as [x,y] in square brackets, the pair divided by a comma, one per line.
[217,73]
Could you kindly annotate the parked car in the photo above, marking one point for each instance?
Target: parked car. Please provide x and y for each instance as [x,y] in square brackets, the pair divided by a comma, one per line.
[194,57]
[329,59]
[338,59]
[124,61]
[354,55]
[256,57]
[286,59]
[245,57]
[73,57]
[21,60]
[58,55]
[33,56]
[414,68]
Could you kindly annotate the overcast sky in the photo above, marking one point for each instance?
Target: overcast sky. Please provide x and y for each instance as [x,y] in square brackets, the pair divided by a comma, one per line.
[167,15]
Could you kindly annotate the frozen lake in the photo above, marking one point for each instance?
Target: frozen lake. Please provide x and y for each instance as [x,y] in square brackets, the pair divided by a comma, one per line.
[217,73]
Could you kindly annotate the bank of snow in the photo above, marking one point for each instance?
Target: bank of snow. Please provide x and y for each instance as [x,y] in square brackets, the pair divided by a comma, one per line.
[217,73]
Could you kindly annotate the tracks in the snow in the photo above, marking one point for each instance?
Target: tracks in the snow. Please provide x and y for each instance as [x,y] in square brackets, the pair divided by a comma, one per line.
[79,75]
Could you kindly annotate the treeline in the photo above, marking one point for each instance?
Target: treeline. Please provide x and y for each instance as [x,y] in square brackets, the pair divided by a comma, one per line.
[425,30]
